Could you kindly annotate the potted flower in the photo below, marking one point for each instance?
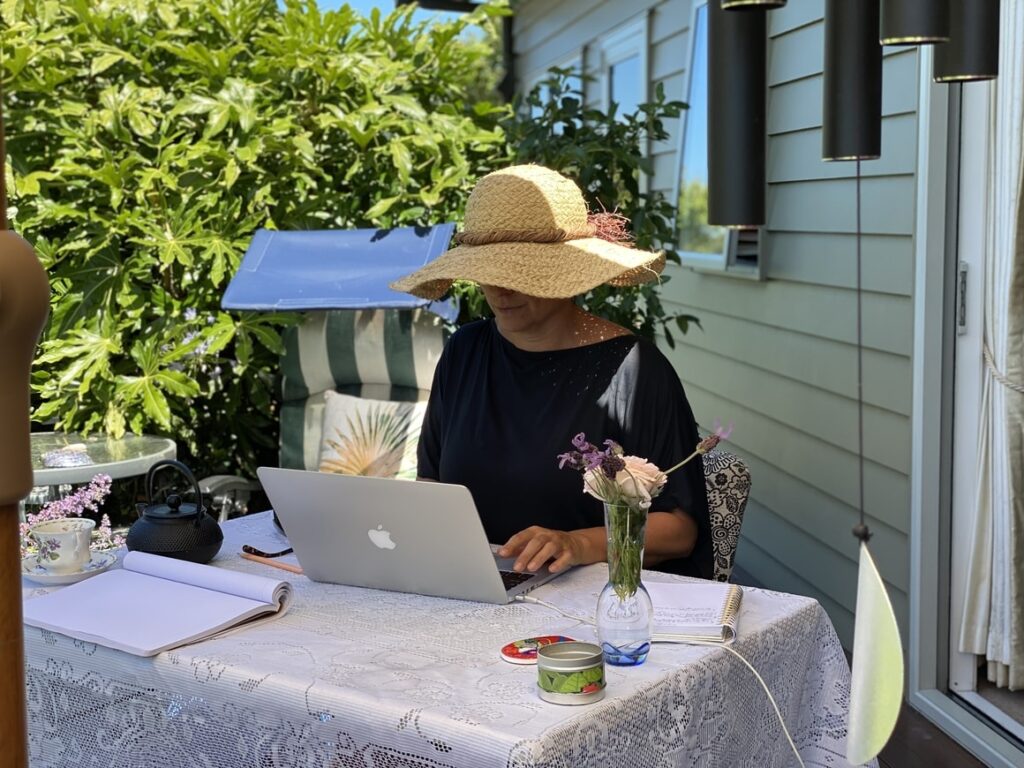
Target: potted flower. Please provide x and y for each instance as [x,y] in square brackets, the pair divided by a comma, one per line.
[626,485]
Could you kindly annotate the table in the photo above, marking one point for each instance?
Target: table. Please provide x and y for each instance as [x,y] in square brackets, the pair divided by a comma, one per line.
[118,457]
[356,677]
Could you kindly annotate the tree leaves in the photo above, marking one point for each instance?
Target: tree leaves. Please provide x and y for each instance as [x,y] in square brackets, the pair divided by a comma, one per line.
[150,140]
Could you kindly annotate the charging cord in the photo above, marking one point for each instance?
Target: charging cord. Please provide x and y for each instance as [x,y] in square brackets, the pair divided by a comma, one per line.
[733,651]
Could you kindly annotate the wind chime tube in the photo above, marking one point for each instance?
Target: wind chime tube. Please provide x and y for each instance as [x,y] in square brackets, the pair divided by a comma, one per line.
[972,52]
[914,22]
[852,93]
[739,5]
[736,117]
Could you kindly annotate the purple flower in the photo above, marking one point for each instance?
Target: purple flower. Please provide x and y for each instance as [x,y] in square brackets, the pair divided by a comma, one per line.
[86,499]
[580,443]
[572,458]
[613,447]
[612,464]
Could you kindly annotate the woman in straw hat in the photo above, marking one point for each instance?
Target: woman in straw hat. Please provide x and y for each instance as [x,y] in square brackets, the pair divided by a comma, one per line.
[510,393]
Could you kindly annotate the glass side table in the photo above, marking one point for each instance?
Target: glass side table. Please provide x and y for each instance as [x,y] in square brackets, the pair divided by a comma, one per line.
[126,456]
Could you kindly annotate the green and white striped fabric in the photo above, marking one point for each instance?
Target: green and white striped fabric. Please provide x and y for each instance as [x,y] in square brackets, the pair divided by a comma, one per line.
[385,354]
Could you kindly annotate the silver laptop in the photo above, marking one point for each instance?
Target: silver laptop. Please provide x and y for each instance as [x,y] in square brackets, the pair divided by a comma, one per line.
[402,535]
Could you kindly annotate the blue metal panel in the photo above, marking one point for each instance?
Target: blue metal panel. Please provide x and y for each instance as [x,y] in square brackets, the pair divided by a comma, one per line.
[335,269]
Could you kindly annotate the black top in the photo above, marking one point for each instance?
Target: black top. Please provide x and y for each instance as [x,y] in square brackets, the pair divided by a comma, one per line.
[498,417]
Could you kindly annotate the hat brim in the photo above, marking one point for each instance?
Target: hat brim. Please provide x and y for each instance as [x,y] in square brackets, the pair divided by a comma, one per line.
[545,270]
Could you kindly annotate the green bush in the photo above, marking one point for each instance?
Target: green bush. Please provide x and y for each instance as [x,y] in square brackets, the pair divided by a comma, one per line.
[605,152]
[148,140]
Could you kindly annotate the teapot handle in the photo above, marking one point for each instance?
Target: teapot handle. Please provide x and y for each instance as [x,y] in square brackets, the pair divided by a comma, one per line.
[186,472]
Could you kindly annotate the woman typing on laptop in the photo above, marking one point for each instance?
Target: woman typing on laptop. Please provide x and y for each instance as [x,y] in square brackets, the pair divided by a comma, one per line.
[510,393]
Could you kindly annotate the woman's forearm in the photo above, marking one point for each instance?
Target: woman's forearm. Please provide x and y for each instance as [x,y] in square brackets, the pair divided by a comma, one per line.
[669,535]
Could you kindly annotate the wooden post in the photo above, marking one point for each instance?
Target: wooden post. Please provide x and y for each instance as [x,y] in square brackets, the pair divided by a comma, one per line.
[24,304]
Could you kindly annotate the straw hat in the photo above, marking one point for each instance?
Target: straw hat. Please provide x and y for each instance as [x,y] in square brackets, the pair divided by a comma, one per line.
[527,229]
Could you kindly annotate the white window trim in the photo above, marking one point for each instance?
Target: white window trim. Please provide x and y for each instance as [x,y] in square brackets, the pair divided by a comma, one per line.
[633,38]
[630,39]
[723,263]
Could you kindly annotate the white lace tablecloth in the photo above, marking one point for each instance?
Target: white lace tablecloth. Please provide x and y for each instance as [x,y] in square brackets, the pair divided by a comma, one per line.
[355,677]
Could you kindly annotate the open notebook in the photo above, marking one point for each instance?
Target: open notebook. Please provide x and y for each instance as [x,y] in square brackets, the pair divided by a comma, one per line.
[687,612]
[155,603]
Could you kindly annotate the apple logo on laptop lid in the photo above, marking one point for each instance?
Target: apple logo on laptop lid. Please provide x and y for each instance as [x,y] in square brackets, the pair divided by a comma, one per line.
[381,538]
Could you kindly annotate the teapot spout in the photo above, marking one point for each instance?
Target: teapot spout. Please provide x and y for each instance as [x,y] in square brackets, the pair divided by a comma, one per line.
[140,508]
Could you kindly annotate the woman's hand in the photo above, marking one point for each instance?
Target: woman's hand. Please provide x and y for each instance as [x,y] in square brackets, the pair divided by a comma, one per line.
[534,546]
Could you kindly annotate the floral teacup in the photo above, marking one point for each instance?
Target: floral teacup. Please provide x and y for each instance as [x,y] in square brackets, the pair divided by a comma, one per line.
[63,543]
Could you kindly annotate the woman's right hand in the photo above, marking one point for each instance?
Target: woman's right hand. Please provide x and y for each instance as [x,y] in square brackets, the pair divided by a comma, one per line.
[535,546]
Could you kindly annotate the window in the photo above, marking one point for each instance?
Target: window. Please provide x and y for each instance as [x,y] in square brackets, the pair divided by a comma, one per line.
[621,67]
[700,244]
[572,62]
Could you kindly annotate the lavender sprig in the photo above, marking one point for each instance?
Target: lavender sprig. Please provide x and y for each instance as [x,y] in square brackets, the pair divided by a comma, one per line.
[86,499]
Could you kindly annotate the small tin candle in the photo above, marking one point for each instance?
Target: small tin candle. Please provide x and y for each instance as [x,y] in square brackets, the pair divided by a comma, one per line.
[570,673]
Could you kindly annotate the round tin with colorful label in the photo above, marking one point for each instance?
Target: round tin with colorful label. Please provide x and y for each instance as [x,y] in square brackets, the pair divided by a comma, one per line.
[570,673]
[525,651]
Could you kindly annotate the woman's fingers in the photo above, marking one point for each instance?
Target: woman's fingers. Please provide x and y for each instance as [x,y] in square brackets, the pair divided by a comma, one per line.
[515,545]
[535,546]
[529,551]
[563,561]
[548,550]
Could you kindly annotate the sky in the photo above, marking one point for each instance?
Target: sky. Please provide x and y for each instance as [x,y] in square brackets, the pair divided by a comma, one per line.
[365,6]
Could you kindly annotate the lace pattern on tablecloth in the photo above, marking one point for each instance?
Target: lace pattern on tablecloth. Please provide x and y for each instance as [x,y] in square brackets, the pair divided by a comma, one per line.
[355,677]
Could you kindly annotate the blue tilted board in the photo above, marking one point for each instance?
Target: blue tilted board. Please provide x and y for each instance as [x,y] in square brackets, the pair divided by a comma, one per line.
[335,269]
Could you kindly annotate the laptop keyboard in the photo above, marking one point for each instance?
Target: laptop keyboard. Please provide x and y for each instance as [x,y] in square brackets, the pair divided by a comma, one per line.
[514,578]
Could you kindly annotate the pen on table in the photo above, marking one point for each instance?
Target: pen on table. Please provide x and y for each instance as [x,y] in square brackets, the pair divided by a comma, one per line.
[272,563]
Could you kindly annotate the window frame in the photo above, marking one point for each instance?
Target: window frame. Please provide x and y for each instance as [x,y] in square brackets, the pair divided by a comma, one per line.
[725,262]
[630,39]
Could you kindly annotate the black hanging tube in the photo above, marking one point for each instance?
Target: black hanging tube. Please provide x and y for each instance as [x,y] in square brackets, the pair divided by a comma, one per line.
[913,22]
[739,5]
[852,94]
[736,117]
[972,52]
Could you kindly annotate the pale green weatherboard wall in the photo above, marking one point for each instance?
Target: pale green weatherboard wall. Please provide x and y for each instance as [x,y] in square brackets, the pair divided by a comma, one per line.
[777,357]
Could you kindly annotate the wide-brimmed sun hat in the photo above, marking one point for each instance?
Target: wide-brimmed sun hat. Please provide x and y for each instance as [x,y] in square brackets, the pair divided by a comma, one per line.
[527,229]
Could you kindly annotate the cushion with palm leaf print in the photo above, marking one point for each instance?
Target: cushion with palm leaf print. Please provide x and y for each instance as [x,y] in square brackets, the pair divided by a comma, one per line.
[362,436]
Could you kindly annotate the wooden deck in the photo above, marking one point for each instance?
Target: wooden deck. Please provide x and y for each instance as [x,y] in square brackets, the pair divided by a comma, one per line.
[916,743]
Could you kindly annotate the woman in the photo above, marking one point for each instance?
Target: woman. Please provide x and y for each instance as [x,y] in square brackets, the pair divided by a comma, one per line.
[510,393]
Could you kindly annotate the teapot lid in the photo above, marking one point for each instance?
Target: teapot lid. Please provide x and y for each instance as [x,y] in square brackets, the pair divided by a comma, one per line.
[172,509]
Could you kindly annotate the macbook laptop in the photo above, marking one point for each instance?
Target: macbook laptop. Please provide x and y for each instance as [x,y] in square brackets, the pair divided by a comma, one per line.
[401,535]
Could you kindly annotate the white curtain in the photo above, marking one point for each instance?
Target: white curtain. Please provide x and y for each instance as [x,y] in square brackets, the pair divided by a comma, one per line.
[993,622]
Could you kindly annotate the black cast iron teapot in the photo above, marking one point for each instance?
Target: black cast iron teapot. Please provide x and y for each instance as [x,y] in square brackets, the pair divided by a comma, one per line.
[175,529]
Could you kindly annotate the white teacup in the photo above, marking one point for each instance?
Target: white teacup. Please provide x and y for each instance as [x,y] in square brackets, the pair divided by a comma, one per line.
[64,543]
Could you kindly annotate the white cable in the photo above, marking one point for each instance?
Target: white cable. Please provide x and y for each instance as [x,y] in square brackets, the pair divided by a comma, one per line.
[552,606]
[764,685]
[733,651]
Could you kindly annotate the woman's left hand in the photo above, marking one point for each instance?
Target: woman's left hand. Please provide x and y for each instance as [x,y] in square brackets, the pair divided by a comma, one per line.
[534,546]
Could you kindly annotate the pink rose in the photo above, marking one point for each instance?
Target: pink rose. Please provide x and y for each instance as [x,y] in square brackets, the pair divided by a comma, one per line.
[638,483]
[640,479]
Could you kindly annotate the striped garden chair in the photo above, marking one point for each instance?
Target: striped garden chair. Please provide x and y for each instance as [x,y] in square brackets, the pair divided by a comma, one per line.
[384,354]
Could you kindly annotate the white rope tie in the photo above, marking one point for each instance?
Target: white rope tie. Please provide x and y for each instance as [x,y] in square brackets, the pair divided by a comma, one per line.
[998,375]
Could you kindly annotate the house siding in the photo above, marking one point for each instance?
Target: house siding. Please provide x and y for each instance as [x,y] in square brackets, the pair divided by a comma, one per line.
[778,356]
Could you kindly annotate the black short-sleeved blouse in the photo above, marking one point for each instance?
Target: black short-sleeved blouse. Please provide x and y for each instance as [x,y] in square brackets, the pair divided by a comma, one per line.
[499,416]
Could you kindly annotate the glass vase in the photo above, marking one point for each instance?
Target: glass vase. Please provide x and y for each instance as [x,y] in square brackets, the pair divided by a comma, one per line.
[624,610]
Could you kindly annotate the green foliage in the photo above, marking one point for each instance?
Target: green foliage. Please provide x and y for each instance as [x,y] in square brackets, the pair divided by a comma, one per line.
[695,234]
[148,140]
[604,152]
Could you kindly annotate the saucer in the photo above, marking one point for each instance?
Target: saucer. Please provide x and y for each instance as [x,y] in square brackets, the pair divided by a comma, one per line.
[98,563]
